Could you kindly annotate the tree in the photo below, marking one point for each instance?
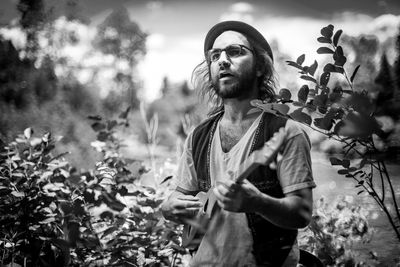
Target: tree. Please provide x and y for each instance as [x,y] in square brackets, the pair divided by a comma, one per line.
[120,36]
[397,69]
[33,18]
[386,91]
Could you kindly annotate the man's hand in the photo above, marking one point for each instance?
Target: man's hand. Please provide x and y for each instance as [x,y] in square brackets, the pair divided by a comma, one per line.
[237,197]
[180,206]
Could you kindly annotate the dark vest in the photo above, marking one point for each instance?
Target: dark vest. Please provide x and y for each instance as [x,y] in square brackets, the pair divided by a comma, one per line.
[271,244]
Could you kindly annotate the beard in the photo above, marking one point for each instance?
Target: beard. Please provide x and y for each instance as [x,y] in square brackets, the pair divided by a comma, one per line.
[239,88]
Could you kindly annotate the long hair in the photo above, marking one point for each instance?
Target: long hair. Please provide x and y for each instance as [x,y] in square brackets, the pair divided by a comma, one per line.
[201,80]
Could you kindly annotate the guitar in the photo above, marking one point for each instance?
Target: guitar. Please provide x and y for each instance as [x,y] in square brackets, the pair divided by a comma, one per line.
[195,228]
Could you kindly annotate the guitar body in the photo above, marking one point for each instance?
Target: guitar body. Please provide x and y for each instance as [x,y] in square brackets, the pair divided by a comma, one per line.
[195,228]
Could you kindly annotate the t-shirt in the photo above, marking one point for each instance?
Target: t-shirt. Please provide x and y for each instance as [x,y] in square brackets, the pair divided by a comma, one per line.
[233,246]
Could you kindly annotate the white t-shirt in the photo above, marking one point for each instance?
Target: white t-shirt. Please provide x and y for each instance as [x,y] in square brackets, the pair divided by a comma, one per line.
[233,246]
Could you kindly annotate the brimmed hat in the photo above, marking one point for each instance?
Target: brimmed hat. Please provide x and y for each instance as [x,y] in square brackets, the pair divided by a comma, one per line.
[236,26]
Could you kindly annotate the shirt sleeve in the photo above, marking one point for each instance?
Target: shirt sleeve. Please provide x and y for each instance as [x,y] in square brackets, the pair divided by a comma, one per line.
[185,177]
[294,170]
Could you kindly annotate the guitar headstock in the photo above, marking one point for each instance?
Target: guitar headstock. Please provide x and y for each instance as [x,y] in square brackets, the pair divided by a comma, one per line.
[267,153]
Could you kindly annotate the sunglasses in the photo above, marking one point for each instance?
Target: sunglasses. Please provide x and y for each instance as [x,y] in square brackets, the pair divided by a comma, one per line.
[232,51]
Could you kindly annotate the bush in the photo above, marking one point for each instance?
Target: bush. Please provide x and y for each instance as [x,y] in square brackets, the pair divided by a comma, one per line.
[52,215]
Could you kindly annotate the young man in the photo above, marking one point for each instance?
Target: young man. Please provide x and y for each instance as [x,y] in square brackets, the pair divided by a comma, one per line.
[259,217]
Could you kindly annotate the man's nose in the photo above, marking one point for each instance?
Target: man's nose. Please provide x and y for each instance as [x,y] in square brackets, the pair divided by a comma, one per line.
[223,60]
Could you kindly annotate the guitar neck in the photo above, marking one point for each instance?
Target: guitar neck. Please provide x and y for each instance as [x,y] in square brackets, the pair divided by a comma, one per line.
[251,163]
[245,169]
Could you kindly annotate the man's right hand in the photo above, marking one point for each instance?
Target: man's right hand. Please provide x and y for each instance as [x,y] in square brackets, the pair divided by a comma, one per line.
[180,206]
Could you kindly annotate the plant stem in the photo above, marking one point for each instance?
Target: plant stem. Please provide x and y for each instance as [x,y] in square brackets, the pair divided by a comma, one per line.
[393,193]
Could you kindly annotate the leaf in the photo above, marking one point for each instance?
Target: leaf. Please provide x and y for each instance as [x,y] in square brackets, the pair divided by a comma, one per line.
[124,114]
[324,78]
[338,56]
[300,116]
[343,171]
[324,123]
[313,68]
[102,136]
[360,192]
[327,31]
[18,194]
[98,126]
[336,37]
[308,78]
[109,231]
[303,93]
[354,73]
[335,161]
[325,50]
[111,124]
[285,94]
[166,179]
[320,100]
[346,163]
[94,117]
[294,64]
[324,40]
[332,68]
[301,59]
[28,132]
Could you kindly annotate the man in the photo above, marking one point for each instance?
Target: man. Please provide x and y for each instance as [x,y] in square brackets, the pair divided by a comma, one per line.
[259,217]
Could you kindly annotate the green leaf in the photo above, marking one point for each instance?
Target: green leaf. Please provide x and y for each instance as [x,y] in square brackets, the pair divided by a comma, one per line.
[18,194]
[300,116]
[346,163]
[336,37]
[320,100]
[308,78]
[327,31]
[94,117]
[360,192]
[354,73]
[102,136]
[294,64]
[325,50]
[343,171]
[324,123]
[285,94]
[332,68]
[324,78]
[324,40]
[28,133]
[301,59]
[313,68]
[98,126]
[111,124]
[303,93]
[335,161]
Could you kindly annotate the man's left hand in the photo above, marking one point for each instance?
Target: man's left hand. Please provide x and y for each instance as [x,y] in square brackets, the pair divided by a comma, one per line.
[237,197]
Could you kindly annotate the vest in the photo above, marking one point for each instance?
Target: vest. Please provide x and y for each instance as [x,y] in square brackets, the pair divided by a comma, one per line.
[271,244]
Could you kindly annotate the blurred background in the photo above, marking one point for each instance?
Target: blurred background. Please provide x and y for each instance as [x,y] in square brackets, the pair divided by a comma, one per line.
[64,60]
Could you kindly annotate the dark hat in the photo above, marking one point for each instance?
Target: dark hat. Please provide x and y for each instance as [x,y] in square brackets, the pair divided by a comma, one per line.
[236,26]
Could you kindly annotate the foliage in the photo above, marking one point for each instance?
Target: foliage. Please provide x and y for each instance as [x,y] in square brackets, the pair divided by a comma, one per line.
[335,230]
[120,36]
[346,115]
[52,215]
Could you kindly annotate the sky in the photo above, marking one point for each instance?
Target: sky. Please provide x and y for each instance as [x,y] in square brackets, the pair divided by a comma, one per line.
[177,28]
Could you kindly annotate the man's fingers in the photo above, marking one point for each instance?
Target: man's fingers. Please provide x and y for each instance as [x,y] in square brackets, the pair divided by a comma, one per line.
[188,198]
[185,204]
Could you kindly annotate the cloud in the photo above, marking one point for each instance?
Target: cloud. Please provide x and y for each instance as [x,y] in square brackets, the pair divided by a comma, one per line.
[241,11]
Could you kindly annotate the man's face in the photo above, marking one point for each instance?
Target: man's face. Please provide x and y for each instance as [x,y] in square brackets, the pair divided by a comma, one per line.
[233,77]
